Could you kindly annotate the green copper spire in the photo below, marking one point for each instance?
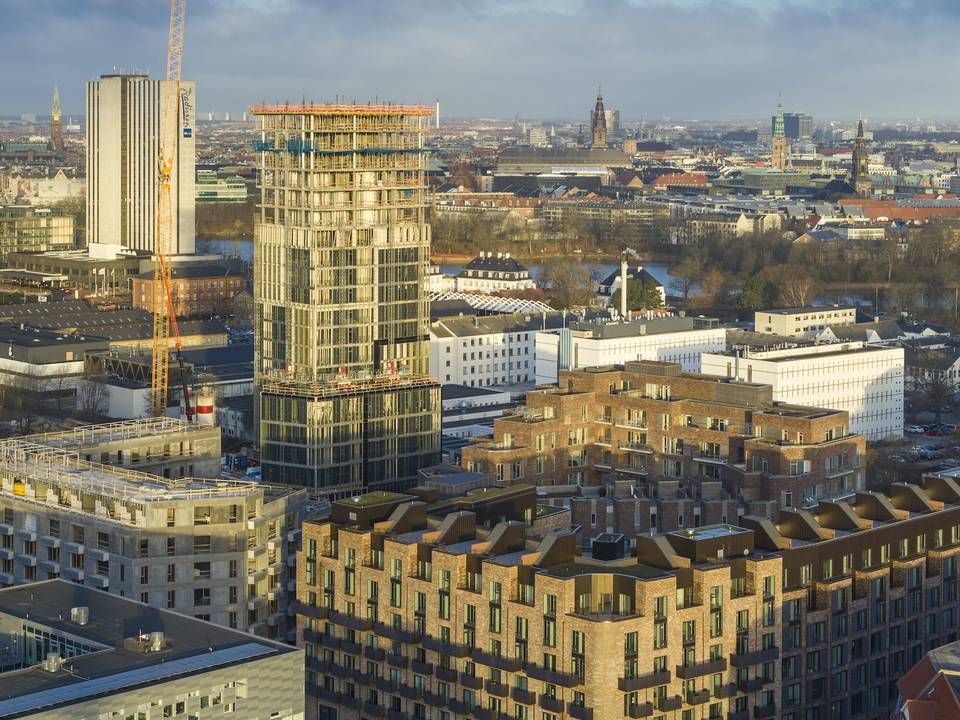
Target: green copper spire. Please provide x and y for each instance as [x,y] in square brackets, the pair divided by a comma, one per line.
[778,122]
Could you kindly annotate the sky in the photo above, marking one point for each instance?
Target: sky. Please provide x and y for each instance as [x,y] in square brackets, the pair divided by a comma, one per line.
[682,59]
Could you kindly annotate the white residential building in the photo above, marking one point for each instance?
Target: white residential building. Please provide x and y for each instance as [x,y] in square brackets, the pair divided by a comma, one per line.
[866,381]
[676,339]
[803,321]
[485,351]
[123,115]
[491,273]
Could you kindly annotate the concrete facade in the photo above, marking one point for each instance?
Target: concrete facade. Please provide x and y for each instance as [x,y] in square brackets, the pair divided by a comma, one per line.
[865,381]
[86,506]
[677,340]
[123,113]
[802,322]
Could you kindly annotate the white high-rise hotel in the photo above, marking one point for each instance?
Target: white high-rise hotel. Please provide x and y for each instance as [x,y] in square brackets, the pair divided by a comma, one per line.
[123,116]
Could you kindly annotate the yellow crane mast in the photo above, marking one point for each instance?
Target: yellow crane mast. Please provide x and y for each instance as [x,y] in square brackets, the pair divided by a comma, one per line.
[164,317]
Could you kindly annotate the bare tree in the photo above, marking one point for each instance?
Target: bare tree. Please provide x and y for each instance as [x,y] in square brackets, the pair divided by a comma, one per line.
[91,397]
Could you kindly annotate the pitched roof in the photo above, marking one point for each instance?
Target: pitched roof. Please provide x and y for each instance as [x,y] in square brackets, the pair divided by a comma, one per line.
[500,263]
[637,273]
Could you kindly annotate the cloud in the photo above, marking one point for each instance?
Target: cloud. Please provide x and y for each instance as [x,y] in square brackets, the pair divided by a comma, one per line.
[539,58]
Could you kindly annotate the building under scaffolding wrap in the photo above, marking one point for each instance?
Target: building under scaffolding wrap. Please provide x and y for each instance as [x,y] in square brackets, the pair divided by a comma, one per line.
[73,507]
[342,312]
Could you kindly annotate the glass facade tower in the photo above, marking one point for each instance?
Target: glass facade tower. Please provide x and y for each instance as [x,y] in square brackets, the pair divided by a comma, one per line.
[342,315]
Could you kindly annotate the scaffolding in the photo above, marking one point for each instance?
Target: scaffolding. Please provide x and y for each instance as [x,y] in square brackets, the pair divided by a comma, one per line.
[343,110]
[27,468]
[87,435]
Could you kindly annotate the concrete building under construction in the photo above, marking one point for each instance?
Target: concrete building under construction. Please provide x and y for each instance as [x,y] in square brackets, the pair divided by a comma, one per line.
[342,321]
[115,507]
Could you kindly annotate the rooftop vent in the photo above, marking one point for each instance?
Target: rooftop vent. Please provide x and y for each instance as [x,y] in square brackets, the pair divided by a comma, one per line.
[80,615]
[52,663]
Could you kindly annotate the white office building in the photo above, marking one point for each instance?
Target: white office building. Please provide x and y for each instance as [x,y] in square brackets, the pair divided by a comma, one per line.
[674,339]
[123,145]
[485,351]
[866,381]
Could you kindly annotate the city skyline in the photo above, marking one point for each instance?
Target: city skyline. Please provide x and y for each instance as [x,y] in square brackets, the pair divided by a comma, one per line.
[645,71]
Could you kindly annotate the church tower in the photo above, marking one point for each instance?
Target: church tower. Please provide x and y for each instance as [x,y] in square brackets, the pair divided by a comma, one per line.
[56,122]
[860,172]
[598,123]
[778,147]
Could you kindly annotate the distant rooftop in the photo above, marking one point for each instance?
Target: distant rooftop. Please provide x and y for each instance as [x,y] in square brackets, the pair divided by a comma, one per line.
[117,655]
[338,109]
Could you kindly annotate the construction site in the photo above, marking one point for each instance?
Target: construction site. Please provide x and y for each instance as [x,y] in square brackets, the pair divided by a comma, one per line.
[79,505]
[342,357]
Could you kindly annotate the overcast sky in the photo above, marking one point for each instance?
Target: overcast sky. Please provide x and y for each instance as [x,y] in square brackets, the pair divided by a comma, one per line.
[690,59]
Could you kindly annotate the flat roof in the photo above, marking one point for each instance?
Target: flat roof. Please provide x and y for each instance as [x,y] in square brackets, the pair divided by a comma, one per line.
[115,624]
[709,532]
[807,309]
[334,109]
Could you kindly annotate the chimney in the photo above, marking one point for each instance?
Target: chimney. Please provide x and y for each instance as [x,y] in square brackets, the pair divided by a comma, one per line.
[623,287]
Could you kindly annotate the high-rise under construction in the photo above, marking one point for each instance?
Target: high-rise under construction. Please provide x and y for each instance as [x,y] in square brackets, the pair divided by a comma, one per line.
[342,316]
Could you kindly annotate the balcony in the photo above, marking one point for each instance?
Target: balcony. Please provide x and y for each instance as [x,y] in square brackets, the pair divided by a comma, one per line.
[688,672]
[765,711]
[496,688]
[482,713]
[498,661]
[374,653]
[579,713]
[551,676]
[643,710]
[421,668]
[349,621]
[328,641]
[444,648]
[671,702]
[644,681]
[636,447]
[755,658]
[551,704]
[471,681]
[99,581]
[752,685]
[70,573]
[446,674]
[525,697]
[350,647]
[725,691]
[312,611]
[6,554]
[385,684]
[398,661]
[410,692]
[738,715]
[698,697]
[458,706]
[372,710]
[28,560]
[397,715]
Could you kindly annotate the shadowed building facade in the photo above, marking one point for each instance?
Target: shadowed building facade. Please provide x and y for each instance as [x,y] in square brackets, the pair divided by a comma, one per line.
[341,309]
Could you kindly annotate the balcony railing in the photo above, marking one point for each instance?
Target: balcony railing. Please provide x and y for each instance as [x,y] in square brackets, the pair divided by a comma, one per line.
[688,672]
[755,658]
[670,702]
[643,682]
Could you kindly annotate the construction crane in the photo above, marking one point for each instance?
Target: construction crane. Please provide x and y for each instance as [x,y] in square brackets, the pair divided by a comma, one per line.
[164,314]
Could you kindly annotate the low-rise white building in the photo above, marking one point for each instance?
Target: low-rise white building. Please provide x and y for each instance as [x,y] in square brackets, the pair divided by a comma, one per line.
[867,381]
[803,321]
[674,339]
[491,273]
[484,351]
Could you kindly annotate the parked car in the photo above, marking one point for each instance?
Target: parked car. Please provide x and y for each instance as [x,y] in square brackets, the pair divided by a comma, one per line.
[935,432]
[914,429]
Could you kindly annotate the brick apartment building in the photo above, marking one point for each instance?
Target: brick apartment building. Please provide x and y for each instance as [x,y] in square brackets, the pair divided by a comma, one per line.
[672,449]
[426,606]
[198,289]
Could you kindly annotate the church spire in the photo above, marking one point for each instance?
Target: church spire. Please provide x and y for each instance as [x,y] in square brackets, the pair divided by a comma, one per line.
[778,131]
[779,151]
[598,121]
[55,108]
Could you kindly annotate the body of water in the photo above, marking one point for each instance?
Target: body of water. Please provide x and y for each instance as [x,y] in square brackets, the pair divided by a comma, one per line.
[243,248]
